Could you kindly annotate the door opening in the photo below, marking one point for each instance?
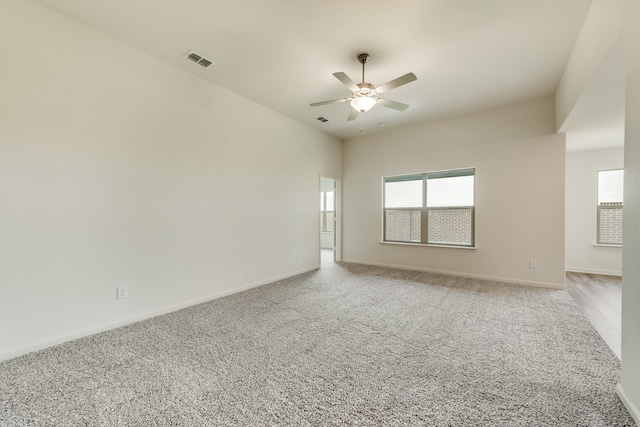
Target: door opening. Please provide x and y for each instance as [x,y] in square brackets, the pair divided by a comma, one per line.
[328,223]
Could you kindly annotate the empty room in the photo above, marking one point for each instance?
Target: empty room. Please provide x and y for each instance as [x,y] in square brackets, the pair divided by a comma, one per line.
[164,259]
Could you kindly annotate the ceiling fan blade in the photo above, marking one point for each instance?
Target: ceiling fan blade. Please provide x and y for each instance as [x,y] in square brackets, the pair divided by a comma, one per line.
[403,80]
[346,81]
[333,101]
[392,104]
[352,115]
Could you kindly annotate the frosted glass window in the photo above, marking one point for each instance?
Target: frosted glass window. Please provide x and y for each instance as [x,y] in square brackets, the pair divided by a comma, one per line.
[610,186]
[403,194]
[327,205]
[329,221]
[448,192]
[330,201]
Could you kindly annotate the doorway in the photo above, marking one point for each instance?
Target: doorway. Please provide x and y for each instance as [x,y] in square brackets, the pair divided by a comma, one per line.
[328,221]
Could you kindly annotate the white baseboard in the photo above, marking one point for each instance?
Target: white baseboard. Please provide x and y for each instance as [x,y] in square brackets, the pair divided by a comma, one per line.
[594,271]
[458,274]
[50,342]
[633,411]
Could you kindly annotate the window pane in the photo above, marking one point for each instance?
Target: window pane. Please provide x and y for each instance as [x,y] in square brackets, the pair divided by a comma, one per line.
[450,226]
[322,201]
[610,225]
[322,221]
[610,186]
[451,191]
[329,200]
[402,225]
[329,223]
[403,194]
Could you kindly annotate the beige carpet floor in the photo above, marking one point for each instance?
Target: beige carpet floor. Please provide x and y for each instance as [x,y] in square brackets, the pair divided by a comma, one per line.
[345,345]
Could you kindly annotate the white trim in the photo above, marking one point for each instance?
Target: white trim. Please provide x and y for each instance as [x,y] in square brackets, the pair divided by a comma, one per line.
[594,271]
[633,411]
[470,276]
[428,245]
[605,245]
[50,342]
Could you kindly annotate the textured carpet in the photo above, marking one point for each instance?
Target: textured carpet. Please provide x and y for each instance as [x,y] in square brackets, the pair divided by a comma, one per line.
[345,345]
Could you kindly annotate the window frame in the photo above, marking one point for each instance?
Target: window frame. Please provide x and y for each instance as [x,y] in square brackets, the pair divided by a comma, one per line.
[424,209]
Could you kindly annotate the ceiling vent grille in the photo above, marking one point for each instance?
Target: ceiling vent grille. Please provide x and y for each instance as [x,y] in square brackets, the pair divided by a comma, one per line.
[198,59]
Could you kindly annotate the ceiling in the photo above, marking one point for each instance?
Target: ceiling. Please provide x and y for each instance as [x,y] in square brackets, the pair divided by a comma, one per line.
[468,55]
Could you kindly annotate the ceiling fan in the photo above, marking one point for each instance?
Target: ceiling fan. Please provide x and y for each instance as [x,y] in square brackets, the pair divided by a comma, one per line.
[365,95]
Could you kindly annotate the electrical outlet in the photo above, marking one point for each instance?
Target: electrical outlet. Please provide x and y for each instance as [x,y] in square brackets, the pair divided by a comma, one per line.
[122,292]
[533,263]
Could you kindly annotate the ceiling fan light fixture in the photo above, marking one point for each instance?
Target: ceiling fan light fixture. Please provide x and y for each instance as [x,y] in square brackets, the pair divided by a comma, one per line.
[365,95]
[363,103]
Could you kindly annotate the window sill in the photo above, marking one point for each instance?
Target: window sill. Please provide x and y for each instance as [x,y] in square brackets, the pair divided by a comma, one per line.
[602,245]
[430,245]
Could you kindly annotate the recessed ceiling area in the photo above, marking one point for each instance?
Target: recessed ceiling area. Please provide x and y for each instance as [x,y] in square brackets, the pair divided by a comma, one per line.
[468,55]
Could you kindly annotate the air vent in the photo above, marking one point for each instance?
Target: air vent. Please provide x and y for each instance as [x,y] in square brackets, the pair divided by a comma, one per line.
[198,59]
[322,119]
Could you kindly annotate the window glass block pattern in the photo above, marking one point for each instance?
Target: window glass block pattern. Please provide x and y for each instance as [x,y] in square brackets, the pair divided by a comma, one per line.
[610,226]
[450,226]
[403,225]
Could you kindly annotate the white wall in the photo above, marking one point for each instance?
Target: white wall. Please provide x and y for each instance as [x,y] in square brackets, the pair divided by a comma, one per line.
[119,169]
[629,387]
[600,30]
[605,21]
[581,189]
[519,161]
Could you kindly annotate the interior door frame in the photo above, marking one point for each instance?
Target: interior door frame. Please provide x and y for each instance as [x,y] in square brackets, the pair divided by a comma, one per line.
[337,217]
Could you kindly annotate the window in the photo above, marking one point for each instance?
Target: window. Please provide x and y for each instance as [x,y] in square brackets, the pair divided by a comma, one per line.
[610,208]
[327,210]
[430,208]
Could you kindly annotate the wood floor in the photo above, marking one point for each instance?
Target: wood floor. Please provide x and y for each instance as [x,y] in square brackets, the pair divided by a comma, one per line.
[600,297]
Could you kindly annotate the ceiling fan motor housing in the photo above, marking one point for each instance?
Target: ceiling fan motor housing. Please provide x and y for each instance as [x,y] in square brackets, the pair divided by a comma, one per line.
[366,89]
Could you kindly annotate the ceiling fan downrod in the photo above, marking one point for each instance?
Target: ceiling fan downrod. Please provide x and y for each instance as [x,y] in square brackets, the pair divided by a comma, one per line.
[363,58]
